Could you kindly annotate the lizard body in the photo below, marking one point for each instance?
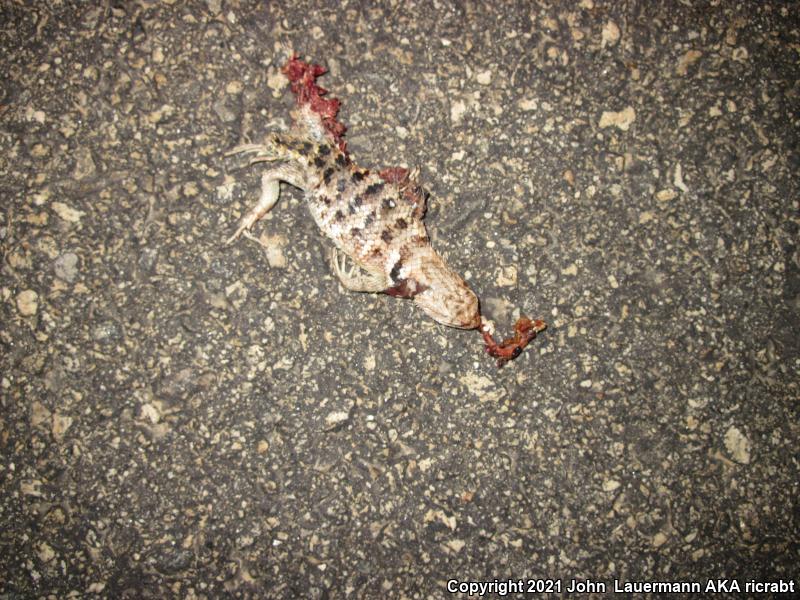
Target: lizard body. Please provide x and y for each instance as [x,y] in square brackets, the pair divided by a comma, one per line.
[372,217]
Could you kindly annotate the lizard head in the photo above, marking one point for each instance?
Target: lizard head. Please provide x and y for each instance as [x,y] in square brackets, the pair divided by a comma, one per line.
[438,291]
[459,310]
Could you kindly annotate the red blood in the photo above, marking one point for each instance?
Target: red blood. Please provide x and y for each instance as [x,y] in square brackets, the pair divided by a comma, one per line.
[406,288]
[524,331]
[411,191]
[303,79]
[394,174]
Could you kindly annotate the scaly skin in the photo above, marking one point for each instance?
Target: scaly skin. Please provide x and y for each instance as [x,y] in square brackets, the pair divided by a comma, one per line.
[373,218]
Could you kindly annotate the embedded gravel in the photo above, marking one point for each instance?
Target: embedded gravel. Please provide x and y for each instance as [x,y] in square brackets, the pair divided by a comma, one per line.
[186,419]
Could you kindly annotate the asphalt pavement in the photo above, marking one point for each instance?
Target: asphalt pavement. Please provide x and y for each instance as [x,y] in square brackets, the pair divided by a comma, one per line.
[180,418]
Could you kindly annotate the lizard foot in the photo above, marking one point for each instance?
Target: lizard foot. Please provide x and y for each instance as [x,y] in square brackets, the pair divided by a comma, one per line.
[268,152]
[509,349]
[355,278]
[260,151]
[270,190]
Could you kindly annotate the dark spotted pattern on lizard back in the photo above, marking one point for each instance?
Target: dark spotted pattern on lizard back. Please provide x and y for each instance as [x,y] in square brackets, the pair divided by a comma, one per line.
[377,222]
[375,218]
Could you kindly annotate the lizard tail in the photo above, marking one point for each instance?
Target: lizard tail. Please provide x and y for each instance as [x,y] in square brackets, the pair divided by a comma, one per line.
[303,79]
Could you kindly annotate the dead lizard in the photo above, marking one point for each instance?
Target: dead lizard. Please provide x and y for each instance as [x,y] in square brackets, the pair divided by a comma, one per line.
[372,217]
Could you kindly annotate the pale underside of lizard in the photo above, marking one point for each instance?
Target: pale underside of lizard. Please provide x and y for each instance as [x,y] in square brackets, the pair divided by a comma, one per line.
[374,218]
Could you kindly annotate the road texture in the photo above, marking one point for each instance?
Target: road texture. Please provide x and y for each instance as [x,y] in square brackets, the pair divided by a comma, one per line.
[185,419]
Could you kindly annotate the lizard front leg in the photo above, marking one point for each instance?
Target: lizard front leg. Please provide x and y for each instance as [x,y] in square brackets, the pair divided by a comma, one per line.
[356,279]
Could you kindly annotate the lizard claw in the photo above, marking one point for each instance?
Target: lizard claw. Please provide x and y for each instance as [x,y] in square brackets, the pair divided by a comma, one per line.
[233,238]
[509,349]
[244,228]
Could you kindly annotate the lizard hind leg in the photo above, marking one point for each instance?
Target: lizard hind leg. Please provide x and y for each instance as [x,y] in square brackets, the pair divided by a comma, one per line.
[270,191]
[355,278]
[267,152]
[283,167]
